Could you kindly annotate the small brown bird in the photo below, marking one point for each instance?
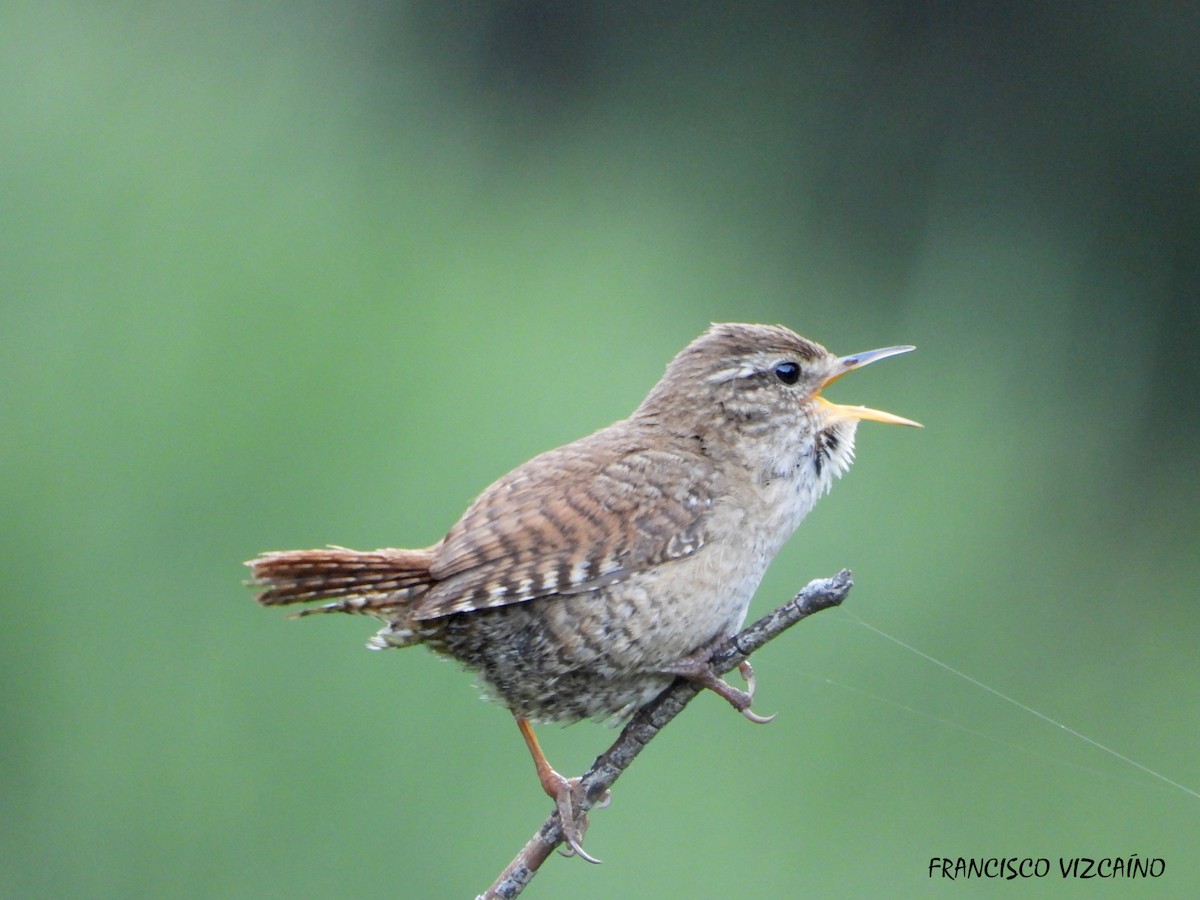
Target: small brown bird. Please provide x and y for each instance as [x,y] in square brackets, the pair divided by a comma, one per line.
[582,583]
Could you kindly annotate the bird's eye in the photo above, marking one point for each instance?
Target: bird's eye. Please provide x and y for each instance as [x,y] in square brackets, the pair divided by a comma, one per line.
[787,372]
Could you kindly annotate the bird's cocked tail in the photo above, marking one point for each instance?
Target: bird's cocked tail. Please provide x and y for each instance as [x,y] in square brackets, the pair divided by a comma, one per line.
[375,582]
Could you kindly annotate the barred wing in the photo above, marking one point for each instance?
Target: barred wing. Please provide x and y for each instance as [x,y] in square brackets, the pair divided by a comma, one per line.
[560,524]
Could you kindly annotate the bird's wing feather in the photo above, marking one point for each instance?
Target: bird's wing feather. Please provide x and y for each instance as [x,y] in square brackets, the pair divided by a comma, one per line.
[561,525]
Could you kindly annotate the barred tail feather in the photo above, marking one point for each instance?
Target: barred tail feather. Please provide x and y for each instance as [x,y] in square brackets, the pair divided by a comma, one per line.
[355,581]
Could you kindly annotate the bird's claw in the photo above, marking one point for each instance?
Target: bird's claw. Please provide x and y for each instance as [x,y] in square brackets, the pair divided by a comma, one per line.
[747,672]
[697,668]
[572,820]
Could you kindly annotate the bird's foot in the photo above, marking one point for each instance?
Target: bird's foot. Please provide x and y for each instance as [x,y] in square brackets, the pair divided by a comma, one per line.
[568,794]
[698,668]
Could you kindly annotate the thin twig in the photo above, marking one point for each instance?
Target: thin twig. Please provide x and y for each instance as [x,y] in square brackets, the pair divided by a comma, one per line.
[650,720]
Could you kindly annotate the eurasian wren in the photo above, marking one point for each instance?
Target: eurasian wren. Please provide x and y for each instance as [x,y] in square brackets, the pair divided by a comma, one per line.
[584,581]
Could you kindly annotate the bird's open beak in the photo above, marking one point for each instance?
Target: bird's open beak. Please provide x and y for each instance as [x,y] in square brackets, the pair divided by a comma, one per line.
[857,361]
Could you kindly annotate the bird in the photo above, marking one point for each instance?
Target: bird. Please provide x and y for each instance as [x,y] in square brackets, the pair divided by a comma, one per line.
[585,581]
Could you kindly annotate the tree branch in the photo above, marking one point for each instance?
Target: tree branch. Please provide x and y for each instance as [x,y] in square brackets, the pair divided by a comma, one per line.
[651,718]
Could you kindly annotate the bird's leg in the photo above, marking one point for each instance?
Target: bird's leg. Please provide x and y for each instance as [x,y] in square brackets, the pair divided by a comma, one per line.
[698,668]
[565,792]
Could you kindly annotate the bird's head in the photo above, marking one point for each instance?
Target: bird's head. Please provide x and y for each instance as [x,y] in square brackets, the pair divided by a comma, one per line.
[747,382]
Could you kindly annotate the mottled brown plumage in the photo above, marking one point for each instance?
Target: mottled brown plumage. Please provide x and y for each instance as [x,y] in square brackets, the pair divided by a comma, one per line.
[584,581]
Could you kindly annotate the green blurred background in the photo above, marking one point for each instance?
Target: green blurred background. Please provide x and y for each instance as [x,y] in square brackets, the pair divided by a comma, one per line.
[286,274]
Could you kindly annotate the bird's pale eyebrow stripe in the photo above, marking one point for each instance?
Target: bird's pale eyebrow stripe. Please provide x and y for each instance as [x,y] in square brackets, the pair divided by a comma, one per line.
[743,370]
